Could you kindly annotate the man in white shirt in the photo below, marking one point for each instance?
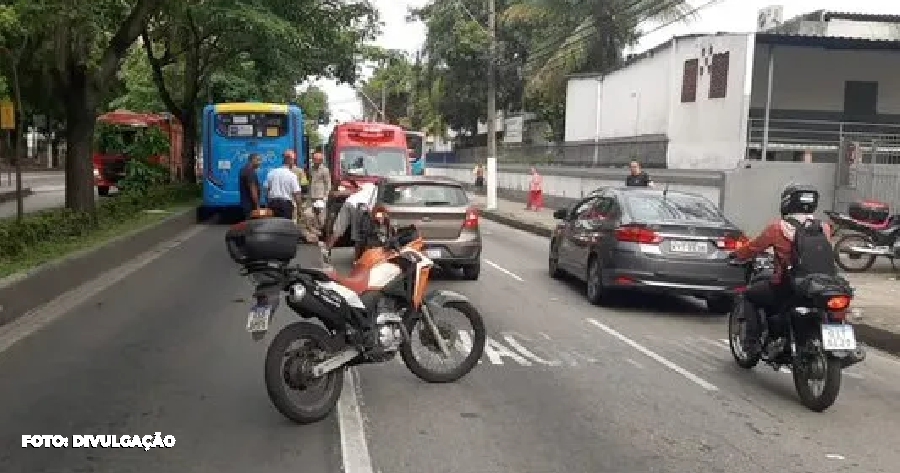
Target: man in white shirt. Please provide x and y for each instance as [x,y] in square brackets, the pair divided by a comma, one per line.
[283,190]
[348,213]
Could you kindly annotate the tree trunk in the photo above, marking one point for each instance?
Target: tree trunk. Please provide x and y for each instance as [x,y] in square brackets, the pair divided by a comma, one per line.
[81,106]
[189,149]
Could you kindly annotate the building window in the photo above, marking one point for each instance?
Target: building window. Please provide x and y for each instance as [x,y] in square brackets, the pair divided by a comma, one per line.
[860,100]
[718,76]
[689,81]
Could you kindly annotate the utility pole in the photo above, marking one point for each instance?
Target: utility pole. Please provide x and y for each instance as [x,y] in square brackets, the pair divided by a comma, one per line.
[492,109]
[383,103]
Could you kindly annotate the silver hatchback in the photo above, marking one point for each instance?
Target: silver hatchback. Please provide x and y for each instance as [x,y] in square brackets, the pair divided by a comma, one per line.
[440,209]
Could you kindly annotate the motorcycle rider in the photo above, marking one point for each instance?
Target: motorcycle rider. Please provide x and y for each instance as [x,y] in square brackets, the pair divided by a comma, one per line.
[798,203]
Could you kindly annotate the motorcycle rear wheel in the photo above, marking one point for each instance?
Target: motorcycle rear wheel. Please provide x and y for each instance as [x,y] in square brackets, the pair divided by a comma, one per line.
[831,385]
[281,394]
[479,337]
[863,261]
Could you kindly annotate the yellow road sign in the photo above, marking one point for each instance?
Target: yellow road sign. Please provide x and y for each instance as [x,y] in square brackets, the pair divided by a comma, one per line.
[7,115]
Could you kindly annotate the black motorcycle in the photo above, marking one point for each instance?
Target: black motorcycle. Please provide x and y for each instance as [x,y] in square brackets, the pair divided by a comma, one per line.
[367,316]
[810,333]
[863,241]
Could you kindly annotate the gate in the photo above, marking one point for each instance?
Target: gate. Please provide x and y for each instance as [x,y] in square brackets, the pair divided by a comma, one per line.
[868,168]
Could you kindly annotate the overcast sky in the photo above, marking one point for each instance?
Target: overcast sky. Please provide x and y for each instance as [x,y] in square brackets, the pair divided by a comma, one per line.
[725,16]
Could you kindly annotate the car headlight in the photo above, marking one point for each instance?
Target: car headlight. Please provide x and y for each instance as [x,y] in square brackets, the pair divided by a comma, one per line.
[342,188]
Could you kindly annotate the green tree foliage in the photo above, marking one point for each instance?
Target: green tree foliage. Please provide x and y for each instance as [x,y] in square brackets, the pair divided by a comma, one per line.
[73,50]
[314,103]
[235,50]
[455,57]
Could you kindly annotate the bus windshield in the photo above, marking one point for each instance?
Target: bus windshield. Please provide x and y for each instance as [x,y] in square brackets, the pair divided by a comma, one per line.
[373,161]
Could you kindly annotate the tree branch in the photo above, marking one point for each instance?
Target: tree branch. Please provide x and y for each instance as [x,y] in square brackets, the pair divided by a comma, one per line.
[156,68]
[128,31]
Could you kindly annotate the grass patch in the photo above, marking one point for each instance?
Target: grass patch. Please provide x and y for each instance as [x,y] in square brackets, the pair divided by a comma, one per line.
[53,234]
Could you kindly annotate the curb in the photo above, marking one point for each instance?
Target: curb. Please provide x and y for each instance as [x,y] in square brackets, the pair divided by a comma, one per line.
[871,336]
[9,196]
[25,291]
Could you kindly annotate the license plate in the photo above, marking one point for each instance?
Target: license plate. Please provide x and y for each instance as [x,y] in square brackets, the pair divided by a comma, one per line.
[433,253]
[258,320]
[689,247]
[838,337]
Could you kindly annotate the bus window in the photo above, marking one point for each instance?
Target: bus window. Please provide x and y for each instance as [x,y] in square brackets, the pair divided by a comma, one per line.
[243,125]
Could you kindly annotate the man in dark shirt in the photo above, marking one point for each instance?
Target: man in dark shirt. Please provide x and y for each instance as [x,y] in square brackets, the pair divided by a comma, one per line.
[249,184]
[637,177]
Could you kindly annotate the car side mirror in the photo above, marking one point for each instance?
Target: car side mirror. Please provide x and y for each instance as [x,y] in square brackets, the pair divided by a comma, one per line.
[561,214]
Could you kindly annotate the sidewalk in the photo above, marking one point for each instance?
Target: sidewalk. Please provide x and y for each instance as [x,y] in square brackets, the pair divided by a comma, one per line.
[877,319]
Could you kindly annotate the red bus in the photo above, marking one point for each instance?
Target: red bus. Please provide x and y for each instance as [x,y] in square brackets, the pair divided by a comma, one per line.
[361,152]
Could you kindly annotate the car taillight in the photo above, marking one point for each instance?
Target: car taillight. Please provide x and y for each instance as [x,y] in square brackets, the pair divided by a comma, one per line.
[732,244]
[471,222]
[633,234]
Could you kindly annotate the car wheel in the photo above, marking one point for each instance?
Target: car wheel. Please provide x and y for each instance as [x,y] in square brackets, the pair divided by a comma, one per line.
[471,272]
[555,272]
[595,290]
[720,304]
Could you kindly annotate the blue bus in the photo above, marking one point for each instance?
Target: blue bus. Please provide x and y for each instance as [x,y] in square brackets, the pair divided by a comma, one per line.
[415,142]
[233,131]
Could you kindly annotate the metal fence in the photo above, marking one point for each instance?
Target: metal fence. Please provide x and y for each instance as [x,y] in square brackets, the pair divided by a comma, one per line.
[867,154]
[649,150]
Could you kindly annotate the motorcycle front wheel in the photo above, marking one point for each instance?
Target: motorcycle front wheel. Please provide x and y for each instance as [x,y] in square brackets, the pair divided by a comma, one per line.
[737,329]
[817,378]
[455,338]
[849,261]
[292,389]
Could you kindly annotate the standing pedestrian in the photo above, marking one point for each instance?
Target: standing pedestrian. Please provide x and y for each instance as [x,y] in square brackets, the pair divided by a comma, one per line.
[319,184]
[249,185]
[283,190]
[535,192]
[637,177]
[479,175]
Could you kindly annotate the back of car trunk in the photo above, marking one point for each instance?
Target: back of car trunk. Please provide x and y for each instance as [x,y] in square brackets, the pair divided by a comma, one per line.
[434,223]
[438,210]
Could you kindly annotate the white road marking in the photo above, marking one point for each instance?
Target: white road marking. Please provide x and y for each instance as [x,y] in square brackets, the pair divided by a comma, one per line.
[495,350]
[36,319]
[504,270]
[354,448]
[464,342]
[528,354]
[635,363]
[668,364]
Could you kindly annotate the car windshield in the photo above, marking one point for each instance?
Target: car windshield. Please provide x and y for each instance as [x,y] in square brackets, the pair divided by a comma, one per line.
[654,207]
[373,162]
[427,195]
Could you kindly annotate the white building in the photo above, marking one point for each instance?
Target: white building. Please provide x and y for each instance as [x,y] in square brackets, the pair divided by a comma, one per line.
[711,100]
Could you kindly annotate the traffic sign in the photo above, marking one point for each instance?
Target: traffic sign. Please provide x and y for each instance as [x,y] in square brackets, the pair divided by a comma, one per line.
[7,115]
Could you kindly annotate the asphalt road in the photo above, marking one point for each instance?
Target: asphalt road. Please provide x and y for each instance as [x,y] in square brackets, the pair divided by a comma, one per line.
[645,386]
[49,192]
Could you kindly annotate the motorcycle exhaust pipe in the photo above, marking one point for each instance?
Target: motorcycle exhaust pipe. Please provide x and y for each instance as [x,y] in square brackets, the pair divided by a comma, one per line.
[865,251]
[854,357]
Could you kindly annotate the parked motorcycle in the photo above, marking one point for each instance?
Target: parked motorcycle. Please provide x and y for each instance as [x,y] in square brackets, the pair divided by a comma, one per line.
[867,232]
[368,316]
[813,335]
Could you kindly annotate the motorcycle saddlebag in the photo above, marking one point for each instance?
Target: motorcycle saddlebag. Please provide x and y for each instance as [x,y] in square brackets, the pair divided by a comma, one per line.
[816,289]
[870,211]
[263,240]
